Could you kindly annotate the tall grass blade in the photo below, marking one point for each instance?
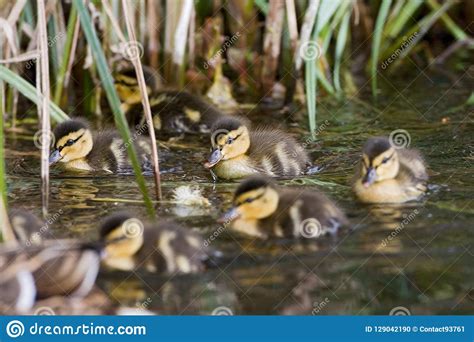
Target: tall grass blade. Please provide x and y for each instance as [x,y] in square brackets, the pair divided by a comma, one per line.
[377,39]
[145,100]
[112,96]
[452,27]
[29,92]
[68,51]
[340,45]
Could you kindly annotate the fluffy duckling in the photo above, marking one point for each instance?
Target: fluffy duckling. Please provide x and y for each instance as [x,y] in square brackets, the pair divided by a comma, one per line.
[77,147]
[164,247]
[262,209]
[387,174]
[239,151]
[172,111]
[58,267]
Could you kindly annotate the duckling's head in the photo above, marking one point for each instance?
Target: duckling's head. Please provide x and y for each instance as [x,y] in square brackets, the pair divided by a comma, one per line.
[256,198]
[379,161]
[73,140]
[230,138]
[127,86]
[122,234]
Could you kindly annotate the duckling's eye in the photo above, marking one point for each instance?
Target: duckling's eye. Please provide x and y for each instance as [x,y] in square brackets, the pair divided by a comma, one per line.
[249,200]
[69,142]
[385,160]
[230,140]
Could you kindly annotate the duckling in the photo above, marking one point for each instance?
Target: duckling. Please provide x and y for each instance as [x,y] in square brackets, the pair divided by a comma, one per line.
[58,267]
[239,151]
[77,147]
[387,174]
[264,210]
[172,111]
[164,247]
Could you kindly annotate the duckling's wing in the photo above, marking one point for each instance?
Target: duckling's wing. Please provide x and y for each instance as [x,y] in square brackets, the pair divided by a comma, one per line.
[277,152]
[106,148]
[412,162]
[170,248]
[198,109]
[110,152]
[303,213]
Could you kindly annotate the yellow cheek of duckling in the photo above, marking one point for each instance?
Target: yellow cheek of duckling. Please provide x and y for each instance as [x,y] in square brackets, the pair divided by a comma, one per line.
[264,206]
[238,147]
[129,94]
[78,150]
[123,248]
[389,169]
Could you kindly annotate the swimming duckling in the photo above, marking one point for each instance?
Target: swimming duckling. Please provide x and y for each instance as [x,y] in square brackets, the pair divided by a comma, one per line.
[77,147]
[264,210]
[387,174]
[164,247]
[58,267]
[239,151]
[172,111]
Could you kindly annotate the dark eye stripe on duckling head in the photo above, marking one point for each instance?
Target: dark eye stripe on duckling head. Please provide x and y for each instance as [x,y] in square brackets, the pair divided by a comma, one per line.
[250,196]
[376,162]
[70,142]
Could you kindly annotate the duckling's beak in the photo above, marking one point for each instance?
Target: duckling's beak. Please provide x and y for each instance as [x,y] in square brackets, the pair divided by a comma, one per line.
[229,216]
[54,157]
[214,158]
[369,177]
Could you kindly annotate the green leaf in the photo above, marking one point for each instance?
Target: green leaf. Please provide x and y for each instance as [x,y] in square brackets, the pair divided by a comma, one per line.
[29,92]
[112,96]
[379,24]
[340,45]
[470,100]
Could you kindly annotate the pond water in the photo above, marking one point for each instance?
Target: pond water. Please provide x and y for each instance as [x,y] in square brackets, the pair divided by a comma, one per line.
[426,267]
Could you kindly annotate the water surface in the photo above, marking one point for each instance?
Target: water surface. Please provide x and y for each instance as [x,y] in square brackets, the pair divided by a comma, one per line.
[425,268]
